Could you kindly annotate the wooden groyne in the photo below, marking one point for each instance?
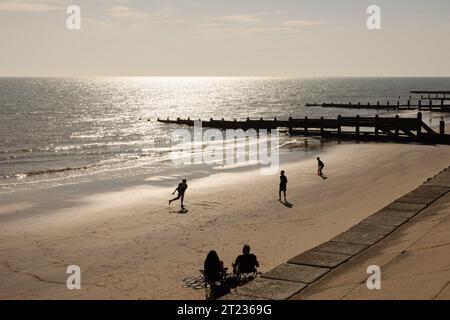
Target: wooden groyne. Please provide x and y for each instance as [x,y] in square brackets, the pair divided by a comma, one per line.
[426,100]
[409,105]
[394,129]
[433,94]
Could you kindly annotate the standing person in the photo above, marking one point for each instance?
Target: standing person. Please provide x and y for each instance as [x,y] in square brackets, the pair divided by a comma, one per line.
[320,167]
[181,190]
[283,186]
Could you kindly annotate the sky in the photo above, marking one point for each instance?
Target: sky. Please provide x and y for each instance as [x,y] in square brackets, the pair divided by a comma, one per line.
[283,38]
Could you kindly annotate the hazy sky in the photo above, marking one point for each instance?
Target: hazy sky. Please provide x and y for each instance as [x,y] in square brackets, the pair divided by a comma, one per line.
[224,37]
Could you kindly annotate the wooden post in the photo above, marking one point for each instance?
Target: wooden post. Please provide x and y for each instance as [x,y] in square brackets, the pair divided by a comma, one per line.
[442,105]
[420,104]
[290,125]
[339,125]
[409,104]
[397,124]
[321,126]
[442,127]
[376,125]
[357,125]
[306,125]
[419,125]
[387,103]
[430,104]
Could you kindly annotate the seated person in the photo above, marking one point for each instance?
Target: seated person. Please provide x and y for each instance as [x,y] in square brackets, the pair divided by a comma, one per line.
[214,270]
[246,262]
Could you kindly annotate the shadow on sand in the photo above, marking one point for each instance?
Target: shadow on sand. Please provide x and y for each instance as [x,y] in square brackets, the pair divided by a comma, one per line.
[182,211]
[287,204]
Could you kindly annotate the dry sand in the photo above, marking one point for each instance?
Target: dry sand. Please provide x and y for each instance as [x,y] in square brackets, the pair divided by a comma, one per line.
[130,245]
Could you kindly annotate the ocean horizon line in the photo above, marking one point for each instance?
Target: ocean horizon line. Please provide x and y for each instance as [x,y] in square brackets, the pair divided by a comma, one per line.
[224,76]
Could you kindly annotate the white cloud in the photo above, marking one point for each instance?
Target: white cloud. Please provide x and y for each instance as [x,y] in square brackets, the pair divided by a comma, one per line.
[206,25]
[253,23]
[126,13]
[139,18]
[303,23]
[249,18]
[233,25]
[242,31]
[27,6]
[241,18]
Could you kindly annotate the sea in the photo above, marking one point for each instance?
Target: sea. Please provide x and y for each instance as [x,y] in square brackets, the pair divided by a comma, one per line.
[56,131]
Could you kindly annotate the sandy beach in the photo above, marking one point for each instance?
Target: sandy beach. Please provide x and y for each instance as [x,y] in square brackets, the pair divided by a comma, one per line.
[130,245]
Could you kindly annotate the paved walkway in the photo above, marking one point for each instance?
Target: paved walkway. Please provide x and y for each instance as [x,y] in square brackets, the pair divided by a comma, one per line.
[409,240]
[414,262]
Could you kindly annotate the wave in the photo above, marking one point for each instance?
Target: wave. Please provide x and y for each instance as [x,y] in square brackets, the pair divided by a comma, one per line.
[50,171]
[106,163]
[77,146]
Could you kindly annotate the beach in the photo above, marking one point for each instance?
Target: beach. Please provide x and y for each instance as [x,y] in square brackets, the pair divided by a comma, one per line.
[130,245]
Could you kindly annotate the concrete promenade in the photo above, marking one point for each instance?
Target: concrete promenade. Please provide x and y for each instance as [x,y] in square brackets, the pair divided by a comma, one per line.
[409,240]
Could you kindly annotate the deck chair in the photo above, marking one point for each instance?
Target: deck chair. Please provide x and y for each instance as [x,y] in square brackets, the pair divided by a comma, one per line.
[245,274]
[215,288]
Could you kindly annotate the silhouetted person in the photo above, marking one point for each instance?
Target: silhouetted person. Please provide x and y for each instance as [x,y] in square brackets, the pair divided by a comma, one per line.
[213,268]
[181,190]
[283,186]
[246,262]
[320,167]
